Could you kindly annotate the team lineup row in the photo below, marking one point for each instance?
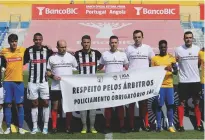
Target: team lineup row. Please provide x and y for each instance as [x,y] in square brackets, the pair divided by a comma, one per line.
[44,63]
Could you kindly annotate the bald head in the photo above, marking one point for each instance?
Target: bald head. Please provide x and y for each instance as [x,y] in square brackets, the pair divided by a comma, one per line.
[61,43]
[61,46]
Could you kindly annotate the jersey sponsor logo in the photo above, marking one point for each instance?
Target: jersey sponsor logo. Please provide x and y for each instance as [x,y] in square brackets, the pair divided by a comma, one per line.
[87,64]
[62,65]
[14,59]
[189,57]
[113,62]
[36,61]
[138,56]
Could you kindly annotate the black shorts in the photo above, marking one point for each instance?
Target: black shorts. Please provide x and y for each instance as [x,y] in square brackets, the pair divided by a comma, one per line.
[56,95]
[187,90]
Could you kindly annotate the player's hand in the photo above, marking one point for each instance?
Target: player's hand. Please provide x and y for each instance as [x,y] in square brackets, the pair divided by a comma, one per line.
[57,78]
[177,59]
[168,68]
[48,73]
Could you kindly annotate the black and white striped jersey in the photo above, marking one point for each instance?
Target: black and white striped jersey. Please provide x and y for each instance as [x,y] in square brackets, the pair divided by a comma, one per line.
[87,62]
[37,59]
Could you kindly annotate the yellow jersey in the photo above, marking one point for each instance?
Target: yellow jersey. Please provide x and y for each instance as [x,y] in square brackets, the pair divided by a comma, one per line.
[166,60]
[13,64]
[201,59]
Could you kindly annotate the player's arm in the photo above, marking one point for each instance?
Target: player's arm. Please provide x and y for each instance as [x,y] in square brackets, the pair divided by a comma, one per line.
[102,63]
[26,56]
[100,66]
[199,63]
[152,64]
[175,68]
[3,62]
[52,76]
[150,56]
[98,54]
[199,60]
[126,66]
[75,63]
[126,63]
[176,56]
[77,60]
[49,72]
[50,52]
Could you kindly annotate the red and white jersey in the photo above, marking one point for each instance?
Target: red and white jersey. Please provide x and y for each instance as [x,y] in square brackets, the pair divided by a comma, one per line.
[139,57]
[113,61]
[188,63]
[61,65]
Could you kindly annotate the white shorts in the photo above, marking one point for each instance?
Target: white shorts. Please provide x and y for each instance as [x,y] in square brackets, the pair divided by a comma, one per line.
[34,89]
[1,95]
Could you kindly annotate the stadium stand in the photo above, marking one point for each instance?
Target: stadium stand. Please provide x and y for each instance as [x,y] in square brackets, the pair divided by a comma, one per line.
[18,15]
[3,31]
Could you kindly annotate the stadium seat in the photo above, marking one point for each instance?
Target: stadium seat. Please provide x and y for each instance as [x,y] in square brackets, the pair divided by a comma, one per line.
[3,32]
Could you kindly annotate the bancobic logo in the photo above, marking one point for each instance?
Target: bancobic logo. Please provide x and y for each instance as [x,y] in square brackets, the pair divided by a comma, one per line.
[50,11]
[146,11]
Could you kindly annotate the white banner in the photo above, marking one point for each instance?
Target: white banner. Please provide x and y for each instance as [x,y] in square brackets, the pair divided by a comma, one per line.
[85,92]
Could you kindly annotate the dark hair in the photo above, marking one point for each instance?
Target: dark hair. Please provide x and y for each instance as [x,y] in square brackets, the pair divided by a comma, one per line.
[113,37]
[162,42]
[85,37]
[12,37]
[138,31]
[188,32]
[37,34]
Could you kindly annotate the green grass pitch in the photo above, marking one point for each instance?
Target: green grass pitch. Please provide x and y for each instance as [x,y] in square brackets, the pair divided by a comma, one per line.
[138,135]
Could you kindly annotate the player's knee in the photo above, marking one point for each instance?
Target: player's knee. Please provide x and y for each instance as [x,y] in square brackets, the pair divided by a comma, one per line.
[1,106]
[8,105]
[34,103]
[54,109]
[182,103]
[55,106]
[159,107]
[143,105]
[170,106]
[20,105]
[45,103]
[196,102]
